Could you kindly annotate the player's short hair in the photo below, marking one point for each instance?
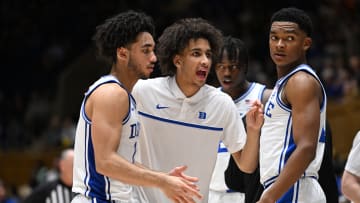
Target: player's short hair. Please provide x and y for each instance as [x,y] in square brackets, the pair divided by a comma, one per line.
[176,38]
[294,15]
[120,31]
[236,51]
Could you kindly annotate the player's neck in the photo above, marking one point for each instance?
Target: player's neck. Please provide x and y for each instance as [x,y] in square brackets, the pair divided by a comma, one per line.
[283,70]
[127,78]
[188,89]
[239,90]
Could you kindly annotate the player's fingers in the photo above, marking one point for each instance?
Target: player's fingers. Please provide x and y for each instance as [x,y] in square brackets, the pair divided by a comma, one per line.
[180,168]
[189,178]
[188,199]
[191,184]
[193,191]
[176,199]
[177,171]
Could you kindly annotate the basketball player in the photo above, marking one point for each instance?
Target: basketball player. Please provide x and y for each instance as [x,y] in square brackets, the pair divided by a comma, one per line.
[108,129]
[232,81]
[231,72]
[182,118]
[293,135]
[351,176]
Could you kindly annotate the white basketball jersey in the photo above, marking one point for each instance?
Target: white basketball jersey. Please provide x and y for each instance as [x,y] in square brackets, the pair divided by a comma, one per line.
[87,180]
[243,103]
[276,141]
[178,130]
[353,161]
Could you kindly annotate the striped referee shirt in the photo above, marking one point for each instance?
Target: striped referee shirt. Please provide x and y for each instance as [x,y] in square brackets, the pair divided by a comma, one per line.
[50,192]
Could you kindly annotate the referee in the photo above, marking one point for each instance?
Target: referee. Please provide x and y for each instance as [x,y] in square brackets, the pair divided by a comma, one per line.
[58,190]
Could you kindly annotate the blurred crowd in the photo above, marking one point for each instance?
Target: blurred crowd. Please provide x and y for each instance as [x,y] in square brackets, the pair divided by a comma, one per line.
[40,40]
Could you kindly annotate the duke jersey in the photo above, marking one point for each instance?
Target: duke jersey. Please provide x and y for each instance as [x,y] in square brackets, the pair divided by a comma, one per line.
[86,180]
[277,143]
[178,130]
[353,162]
[243,103]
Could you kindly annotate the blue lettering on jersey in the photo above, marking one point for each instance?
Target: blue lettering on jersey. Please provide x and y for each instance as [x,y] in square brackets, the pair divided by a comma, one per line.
[134,130]
[268,109]
[161,107]
[202,115]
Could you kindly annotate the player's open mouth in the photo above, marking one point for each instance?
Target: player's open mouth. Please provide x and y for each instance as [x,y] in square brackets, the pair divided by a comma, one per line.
[201,74]
[227,81]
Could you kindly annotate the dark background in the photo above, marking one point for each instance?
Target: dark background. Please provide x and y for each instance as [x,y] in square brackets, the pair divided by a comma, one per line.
[47,59]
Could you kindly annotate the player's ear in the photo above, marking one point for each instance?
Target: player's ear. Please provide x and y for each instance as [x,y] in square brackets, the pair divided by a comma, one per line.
[177,61]
[122,53]
[307,43]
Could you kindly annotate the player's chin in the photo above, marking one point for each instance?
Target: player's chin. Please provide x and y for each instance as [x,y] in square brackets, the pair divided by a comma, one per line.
[146,74]
[226,85]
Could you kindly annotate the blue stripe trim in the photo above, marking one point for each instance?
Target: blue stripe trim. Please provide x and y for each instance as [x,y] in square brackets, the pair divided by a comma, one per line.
[297,191]
[86,160]
[83,113]
[222,150]
[269,181]
[279,101]
[322,136]
[281,161]
[306,68]
[97,182]
[261,93]
[180,123]
[133,156]
[108,186]
[288,196]
[127,117]
[291,147]
[248,91]
[230,191]
[97,200]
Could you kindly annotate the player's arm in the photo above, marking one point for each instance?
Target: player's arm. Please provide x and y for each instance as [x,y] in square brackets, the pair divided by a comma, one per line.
[350,185]
[247,159]
[351,179]
[303,93]
[107,107]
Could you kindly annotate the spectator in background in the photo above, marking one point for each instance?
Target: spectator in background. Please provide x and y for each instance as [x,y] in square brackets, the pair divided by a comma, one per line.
[58,190]
[351,177]
[4,196]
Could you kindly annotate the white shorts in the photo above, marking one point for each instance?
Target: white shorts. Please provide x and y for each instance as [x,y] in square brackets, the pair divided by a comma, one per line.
[226,197]
[137,196]
[306,190]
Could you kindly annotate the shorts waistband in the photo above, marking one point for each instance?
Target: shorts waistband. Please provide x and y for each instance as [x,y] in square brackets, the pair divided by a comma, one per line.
[94,199]
[271,180]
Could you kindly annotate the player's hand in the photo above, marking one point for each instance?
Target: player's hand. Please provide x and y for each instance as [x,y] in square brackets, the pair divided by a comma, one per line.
[179,172]
[180,190]
[255,116]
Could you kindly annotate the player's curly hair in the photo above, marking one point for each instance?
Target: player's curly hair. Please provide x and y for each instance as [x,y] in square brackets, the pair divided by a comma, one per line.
[236,51]
[294,15]
[120,31]
[176,38]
